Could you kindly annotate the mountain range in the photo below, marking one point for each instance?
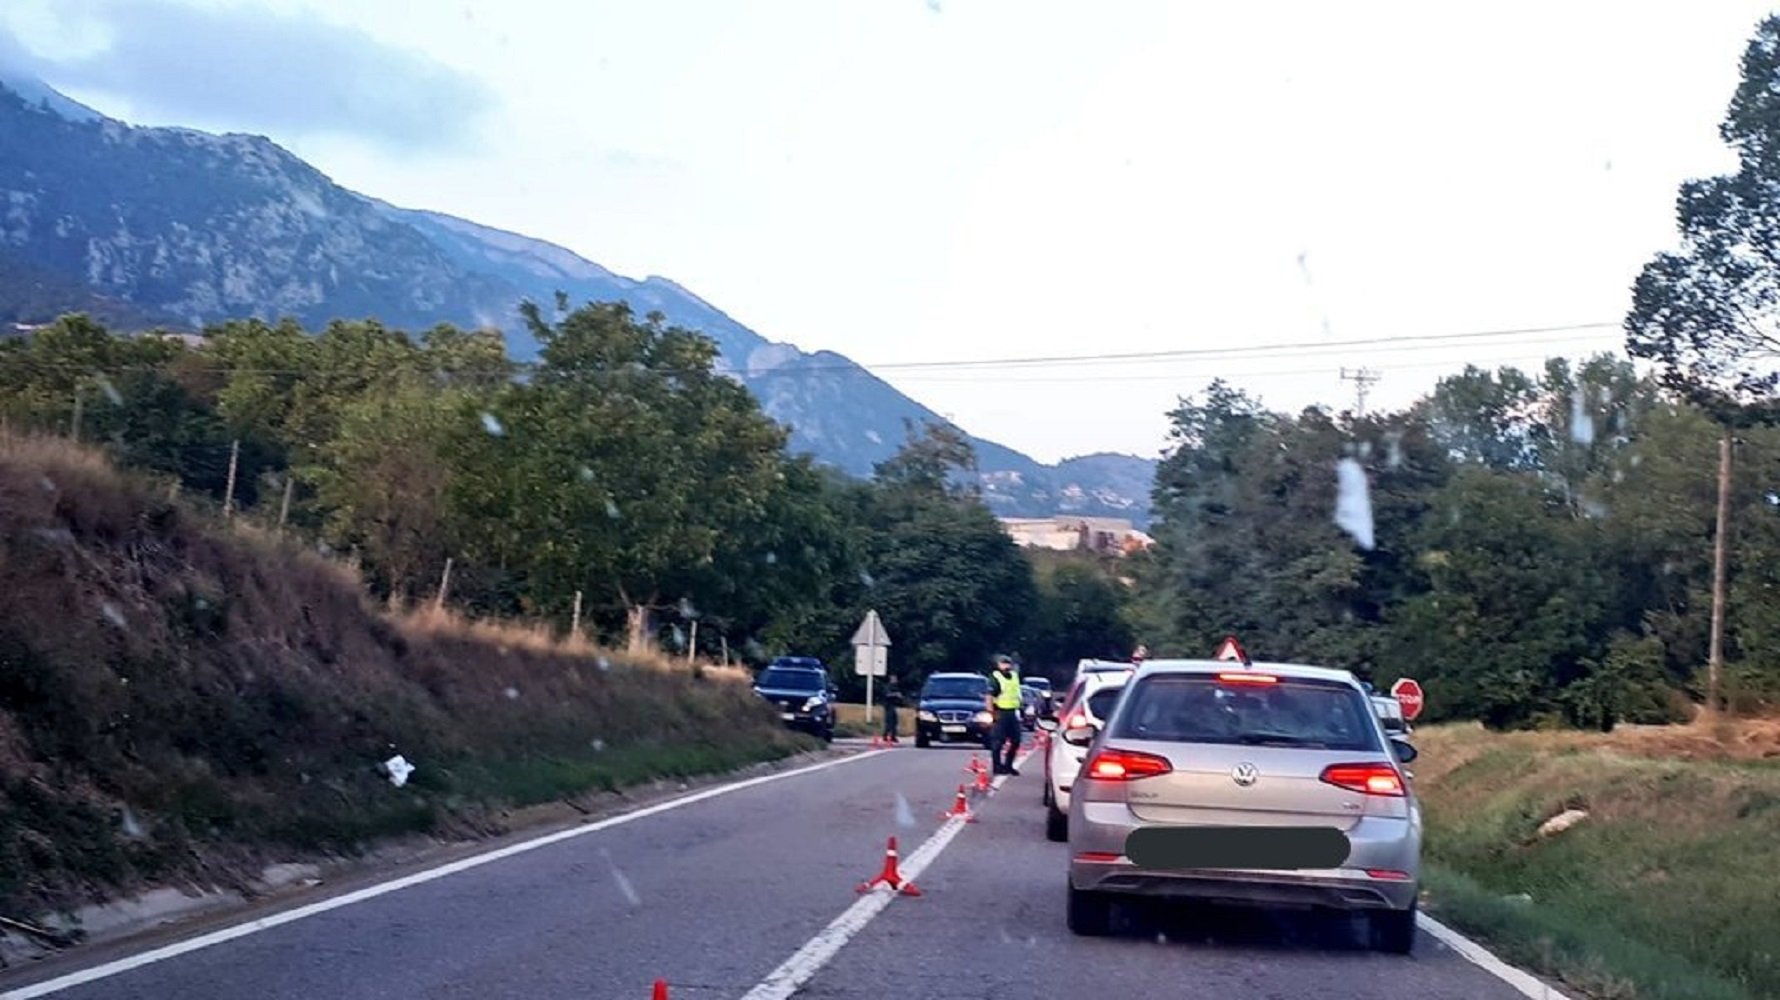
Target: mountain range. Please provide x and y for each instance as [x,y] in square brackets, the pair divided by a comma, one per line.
[179,228]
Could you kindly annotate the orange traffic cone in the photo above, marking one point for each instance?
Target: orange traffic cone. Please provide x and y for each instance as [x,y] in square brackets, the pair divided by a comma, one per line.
[660,992]
[960,809]
[982,785]
[976,765]
[890,876]
[877,742]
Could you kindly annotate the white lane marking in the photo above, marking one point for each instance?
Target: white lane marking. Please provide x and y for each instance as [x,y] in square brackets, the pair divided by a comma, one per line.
[1526,983]
[804,963]
[270,921]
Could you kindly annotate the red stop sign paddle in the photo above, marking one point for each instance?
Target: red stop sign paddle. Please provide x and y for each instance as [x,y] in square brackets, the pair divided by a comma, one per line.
[1408,694]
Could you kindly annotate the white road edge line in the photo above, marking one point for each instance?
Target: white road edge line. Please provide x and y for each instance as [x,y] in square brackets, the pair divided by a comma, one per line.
[804,963]
[1526,983]
[270,921]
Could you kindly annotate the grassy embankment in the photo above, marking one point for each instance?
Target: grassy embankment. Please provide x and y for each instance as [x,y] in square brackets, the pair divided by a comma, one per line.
[182,701]
[1668,889]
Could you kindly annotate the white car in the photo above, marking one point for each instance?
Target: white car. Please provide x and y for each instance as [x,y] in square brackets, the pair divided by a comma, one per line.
[1088,702]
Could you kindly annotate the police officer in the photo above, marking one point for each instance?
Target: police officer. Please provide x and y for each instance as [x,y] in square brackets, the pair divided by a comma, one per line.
[1004,700]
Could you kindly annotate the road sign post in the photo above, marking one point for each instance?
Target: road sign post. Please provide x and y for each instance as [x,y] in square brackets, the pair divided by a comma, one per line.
[1408,694]
[871,654]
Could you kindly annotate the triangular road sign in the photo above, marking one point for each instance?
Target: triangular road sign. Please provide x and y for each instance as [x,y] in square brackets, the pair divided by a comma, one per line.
[1230,651]
[871,631]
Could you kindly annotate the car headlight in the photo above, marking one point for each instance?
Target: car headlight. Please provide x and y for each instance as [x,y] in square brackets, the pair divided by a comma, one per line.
[926,716]
[812,703]
[984,716]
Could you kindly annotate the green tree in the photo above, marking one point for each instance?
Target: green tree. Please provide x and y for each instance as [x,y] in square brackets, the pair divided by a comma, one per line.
[1080,613]
[953,589]
[1708,314]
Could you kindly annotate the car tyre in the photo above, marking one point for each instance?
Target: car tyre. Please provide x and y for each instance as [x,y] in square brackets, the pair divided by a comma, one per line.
[1056,824]
[1393,931]
[1044,795]
[1090,913]
[922,742]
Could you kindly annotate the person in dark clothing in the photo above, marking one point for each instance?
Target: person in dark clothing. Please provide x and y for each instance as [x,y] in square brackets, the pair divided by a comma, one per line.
[892,698]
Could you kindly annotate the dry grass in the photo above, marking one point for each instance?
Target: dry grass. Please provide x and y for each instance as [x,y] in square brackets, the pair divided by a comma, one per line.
[1670,877]
[850,721]
[235,695]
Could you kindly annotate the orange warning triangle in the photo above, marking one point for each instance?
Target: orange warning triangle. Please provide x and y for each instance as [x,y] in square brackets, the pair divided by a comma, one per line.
[1230,651]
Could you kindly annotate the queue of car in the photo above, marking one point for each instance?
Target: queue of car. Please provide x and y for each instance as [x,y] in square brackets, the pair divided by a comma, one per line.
[1140,755]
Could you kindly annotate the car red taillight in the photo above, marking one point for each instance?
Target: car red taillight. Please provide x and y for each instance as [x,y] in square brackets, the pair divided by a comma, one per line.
[1367,779]
[1126,765]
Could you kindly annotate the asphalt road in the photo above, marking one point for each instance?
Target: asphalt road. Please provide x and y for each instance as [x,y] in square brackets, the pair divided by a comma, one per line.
[714,896]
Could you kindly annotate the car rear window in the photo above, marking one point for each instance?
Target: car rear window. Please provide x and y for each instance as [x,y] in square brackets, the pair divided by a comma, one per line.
[1200,709]
[1101,702]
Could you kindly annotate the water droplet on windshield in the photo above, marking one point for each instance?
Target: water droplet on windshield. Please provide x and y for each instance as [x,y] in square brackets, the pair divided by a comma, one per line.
[492,426]
[772,558]
[866,579]
[677,637]
[112,614]
[512,693]
[611,509]
[687,610]
[110,391]
[603,663]
[597,744]
[624,887]
[1353,508]
[586,474]
[131,826]
[1582,424]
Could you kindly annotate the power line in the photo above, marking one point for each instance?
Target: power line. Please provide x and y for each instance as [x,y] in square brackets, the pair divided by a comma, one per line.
[1410,343]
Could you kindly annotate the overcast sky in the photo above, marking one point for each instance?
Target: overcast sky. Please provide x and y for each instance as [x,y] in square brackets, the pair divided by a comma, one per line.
[934,180]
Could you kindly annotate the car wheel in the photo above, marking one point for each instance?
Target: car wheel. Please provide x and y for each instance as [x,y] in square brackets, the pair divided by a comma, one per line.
[1044,795]
[1393,931]
[921,742]
[1090,913]
[828,735]
[1056,824]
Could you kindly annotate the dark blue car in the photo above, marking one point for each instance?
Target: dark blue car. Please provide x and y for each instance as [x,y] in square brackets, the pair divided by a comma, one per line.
[798,687]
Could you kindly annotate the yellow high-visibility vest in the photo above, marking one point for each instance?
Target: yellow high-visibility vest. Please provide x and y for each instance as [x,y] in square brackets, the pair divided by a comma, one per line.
[1008,695]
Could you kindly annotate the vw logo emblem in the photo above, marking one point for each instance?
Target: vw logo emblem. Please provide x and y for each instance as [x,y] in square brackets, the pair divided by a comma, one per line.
[1245,774]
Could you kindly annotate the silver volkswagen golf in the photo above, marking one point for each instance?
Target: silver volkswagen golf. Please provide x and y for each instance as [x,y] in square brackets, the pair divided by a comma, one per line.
[1262,784]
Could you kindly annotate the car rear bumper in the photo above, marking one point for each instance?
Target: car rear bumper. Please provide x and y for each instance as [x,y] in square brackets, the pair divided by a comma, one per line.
[973,732]
[1381,870]
[1341,888]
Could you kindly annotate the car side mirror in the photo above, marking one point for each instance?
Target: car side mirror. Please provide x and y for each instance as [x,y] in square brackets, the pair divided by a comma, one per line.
[1080,736]
[1406,751]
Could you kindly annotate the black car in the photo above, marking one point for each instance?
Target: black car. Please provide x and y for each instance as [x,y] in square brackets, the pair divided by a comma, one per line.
[953,710]
[798,688]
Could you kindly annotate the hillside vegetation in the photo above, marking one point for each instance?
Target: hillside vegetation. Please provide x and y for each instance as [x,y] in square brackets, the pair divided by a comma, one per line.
[1666,889]
[181,699]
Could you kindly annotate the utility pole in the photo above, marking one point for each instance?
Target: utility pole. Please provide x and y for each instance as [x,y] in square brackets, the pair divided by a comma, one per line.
[575,620]
[1715,656]
[284,505]
[1363,379]
[444,586]
[229,491]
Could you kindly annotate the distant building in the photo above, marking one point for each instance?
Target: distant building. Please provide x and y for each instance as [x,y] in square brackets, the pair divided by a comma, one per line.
[1067,533]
